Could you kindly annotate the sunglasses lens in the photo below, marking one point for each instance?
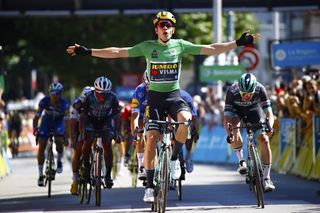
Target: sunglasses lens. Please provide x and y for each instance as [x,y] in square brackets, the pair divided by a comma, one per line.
[165,24]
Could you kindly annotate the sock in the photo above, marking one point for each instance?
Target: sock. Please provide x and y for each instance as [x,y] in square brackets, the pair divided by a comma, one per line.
[188,155]
[266,171]
[176,150]
[40,167]
[140,159]
[150,174]
[108,171]
[75,176]
[239,153]
[59,157]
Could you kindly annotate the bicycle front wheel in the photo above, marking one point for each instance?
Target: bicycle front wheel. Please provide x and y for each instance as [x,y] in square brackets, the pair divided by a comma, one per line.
[162,193]
[49,175]
[98,177]
[258,187]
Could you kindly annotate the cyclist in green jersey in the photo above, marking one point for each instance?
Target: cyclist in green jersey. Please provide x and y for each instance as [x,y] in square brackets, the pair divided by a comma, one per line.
[163,57]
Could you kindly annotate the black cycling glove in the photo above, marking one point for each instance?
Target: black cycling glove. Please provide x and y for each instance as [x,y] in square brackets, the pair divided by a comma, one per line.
[245,39]
[82,50]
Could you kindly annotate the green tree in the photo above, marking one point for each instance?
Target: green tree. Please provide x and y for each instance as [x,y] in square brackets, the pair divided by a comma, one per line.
[40,42]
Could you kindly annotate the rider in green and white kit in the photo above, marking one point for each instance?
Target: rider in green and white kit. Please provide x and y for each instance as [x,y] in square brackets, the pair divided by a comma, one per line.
[163,57]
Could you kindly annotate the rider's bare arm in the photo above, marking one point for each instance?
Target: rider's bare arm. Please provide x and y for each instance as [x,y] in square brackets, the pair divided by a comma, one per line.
[134,122]
[110,52]
[217,48]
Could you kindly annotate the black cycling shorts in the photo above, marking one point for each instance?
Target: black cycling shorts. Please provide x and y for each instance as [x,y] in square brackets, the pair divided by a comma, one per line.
[250,115]
[105,132]
[161,104]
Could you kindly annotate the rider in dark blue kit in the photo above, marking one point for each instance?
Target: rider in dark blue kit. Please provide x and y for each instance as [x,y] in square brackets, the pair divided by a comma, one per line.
[54,118]
[101,113]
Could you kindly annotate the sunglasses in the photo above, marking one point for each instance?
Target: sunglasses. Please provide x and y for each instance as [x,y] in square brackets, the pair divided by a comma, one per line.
[167,24]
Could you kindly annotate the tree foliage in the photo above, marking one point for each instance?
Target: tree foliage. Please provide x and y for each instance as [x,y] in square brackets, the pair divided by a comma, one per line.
[41,42]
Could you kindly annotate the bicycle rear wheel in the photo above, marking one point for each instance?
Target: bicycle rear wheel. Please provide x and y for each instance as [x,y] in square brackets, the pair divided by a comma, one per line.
[258,187]
[98,157]
[162,193]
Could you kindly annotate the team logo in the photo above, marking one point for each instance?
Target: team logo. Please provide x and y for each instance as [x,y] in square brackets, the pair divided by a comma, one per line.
[173,52]
[154,54]
[154,72]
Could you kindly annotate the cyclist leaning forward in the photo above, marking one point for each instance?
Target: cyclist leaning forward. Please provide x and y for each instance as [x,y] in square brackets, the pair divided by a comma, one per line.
[100,109]
[245,100]
[163,57]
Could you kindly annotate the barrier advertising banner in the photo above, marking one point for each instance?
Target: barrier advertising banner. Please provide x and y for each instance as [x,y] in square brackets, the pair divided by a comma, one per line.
[316,135]
[287,133]
[297,54]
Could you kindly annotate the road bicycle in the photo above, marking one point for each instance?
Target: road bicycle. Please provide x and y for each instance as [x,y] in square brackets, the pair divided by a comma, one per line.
[254,176]
[161,177]
[50,170]
[94,180]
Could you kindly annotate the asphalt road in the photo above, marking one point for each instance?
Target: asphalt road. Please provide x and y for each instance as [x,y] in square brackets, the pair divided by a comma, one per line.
[210,188]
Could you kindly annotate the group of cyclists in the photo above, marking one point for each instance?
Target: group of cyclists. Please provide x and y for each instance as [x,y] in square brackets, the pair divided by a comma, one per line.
[159,96]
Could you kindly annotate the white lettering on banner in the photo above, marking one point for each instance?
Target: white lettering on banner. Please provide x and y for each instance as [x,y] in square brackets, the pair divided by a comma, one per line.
[302,52]
[215,142]
[209,72]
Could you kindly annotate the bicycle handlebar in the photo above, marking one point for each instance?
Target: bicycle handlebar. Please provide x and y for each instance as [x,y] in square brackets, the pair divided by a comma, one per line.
[266,126]
[187,123]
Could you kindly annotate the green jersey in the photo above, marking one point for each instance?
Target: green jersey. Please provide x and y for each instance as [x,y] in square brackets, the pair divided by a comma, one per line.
[164,61]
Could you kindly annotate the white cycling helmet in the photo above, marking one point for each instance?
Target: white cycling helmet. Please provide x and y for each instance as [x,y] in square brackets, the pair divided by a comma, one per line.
[55,88]
[146,79]
[86,90]
[102,85]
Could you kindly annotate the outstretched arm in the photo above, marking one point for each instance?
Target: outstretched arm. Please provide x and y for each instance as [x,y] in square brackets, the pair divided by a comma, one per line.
[110,52]
[217,48]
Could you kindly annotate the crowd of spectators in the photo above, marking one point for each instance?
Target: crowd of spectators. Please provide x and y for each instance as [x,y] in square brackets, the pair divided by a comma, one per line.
[298,98]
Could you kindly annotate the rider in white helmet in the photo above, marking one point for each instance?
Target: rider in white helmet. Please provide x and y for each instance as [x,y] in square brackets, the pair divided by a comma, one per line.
[101,117]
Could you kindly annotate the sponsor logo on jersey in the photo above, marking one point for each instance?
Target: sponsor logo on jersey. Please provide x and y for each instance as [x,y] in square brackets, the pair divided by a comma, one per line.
[135,102]
[161,72]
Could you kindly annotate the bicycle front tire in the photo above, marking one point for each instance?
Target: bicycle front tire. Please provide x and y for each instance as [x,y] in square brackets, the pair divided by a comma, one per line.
[98,177]
[164,175]
[257,178]
[49,171]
